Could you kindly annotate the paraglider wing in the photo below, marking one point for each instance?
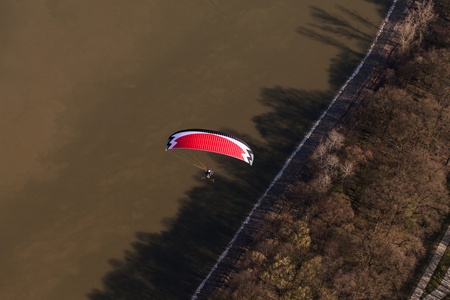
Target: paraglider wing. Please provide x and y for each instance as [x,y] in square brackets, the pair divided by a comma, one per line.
[212,141]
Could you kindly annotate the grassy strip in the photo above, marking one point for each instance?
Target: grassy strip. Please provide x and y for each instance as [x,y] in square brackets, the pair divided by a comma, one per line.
[444,263]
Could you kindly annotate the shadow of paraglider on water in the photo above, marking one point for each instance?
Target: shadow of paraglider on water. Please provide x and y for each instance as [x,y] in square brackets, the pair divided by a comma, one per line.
[171,264]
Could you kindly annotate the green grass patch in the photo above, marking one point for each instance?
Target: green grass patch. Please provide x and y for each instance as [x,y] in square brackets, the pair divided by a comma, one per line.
[439,273]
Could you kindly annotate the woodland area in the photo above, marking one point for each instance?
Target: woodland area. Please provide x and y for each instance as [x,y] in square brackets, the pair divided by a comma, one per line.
[363,224]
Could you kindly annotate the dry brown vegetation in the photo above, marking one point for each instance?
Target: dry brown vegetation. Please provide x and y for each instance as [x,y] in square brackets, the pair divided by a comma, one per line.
[415,25]
[360,226]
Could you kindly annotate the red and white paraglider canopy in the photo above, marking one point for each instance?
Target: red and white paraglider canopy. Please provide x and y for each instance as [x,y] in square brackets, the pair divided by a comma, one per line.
[211,141]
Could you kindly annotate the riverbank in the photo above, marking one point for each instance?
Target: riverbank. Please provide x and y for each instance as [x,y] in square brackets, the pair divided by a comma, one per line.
[362,223]
[364,78]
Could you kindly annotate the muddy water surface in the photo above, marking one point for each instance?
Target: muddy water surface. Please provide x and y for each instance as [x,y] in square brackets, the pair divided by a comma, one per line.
[90,91]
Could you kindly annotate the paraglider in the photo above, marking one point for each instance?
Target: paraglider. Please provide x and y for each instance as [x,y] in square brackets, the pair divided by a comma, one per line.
[210,141]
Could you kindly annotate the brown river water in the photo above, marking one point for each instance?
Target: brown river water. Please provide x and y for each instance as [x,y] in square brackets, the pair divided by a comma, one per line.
[90,91]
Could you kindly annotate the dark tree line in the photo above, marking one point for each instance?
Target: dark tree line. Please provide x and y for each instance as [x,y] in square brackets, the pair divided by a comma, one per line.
[360,226]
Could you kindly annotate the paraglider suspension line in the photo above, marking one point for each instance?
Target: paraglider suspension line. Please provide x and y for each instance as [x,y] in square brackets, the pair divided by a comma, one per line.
[192,161]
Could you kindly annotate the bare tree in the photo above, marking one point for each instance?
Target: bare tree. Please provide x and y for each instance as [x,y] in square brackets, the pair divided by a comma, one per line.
[335,140]
[322,183]
[347,169]
[415,24]
[332,164]
[320,152]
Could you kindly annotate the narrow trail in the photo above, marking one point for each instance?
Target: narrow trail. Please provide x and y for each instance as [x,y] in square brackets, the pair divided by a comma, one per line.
[442,291]
[364,79]
[444,288]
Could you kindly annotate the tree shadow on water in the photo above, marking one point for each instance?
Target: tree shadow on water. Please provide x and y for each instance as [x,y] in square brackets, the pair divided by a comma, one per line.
[342,30]
[382,5]
[171,264]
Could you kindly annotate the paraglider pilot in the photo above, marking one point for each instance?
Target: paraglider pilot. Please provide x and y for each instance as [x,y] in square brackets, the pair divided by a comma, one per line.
[209,173]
